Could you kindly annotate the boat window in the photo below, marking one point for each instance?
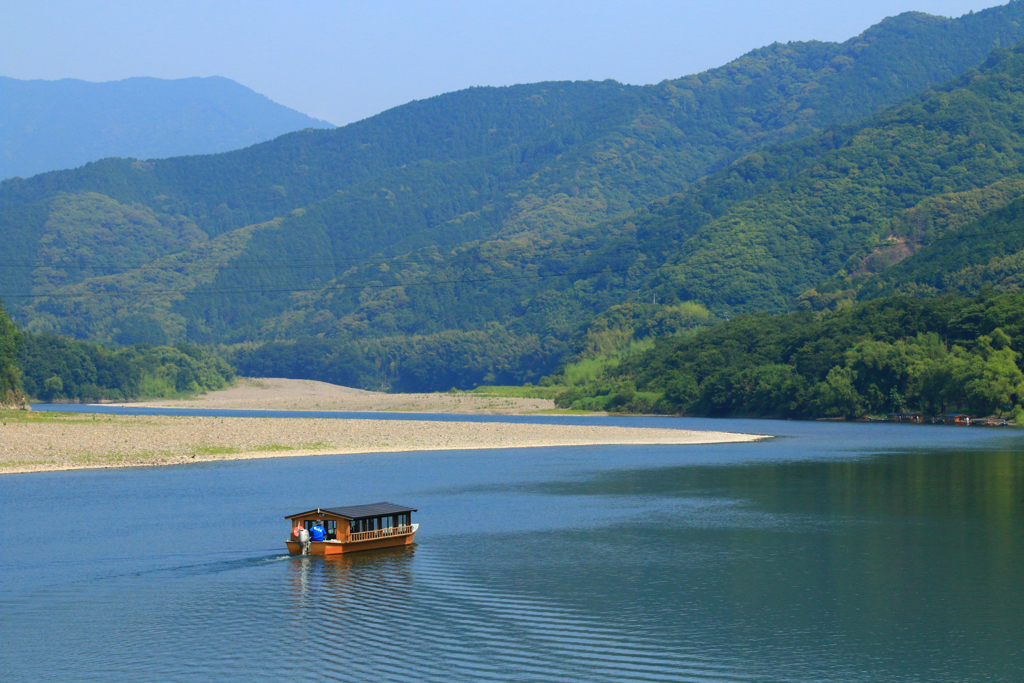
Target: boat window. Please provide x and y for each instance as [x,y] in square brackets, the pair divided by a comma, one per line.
[331,529]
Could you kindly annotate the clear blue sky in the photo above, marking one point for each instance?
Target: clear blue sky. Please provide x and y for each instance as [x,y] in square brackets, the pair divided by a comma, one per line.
[343,60]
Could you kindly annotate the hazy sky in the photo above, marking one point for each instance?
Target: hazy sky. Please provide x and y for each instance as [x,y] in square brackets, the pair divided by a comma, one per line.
[348,59]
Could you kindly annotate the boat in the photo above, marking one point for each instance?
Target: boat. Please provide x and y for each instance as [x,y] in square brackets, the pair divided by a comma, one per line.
[353,528]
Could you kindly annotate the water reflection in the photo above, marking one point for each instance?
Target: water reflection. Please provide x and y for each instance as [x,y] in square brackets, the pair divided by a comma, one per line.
[780,561]
[965,484]
[345,577]
[417,616]
[910,561]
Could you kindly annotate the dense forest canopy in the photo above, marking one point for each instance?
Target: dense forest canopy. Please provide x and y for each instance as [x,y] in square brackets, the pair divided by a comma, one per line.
[962,257]
[485,236]
[58,368]
[10,375]
[891,355]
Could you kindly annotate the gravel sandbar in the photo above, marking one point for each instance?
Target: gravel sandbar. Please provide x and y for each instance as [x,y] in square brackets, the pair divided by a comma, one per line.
[34,442]
[301,394]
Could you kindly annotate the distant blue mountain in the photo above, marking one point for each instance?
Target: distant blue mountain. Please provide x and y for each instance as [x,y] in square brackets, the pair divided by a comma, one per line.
[49,125]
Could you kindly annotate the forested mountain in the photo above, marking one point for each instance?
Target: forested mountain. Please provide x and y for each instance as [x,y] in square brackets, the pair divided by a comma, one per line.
[49,125]
[779,222]
[964,249]
[762,233]
[469,237]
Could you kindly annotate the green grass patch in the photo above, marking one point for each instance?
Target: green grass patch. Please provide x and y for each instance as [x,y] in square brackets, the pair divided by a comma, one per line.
[24,416]
[107,458]
[11,464]
[214,450]
[513,392]
[589,369]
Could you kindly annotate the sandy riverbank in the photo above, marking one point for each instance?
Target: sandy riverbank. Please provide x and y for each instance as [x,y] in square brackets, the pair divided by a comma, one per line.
[300,394]
[35,442]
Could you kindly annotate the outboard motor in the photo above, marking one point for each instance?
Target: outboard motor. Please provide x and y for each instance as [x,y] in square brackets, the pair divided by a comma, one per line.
[304,540]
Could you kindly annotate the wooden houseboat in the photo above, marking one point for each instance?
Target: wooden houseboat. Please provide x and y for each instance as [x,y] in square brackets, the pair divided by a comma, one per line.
[915,418]
[353,528]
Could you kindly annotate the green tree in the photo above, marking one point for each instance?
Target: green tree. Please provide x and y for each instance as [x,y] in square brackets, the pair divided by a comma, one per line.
[993,382]
[53,388]
[10,376]
[837,396]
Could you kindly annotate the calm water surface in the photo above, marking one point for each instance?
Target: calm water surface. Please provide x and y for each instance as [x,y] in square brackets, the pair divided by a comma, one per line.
[836,552]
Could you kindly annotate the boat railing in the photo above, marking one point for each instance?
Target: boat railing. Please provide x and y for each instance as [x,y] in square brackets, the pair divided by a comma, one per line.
[382,533]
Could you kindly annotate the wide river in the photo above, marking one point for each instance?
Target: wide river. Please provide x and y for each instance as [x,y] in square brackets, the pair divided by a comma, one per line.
[835,552]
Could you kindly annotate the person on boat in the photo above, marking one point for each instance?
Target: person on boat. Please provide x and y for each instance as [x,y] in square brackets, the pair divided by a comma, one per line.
[317,532]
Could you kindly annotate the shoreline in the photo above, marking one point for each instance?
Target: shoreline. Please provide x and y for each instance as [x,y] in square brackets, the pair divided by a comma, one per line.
[262,455]
[47,442]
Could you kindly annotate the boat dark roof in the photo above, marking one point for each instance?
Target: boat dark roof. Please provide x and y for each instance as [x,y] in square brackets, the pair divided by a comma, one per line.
[359,511]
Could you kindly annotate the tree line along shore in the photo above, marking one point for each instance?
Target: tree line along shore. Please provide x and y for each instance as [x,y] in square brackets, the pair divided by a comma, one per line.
[891,356]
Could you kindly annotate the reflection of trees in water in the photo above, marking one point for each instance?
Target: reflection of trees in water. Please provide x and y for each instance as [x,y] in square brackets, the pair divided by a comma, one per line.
[910,548]
[948,485]
[910,560]
[969,484]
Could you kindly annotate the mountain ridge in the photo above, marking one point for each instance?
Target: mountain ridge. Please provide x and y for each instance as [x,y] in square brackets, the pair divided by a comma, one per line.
[453,214]
[50,125]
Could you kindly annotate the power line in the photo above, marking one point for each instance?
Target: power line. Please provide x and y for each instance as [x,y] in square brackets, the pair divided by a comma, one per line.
[292,264]
[372,284]
[376,284]
[267,264]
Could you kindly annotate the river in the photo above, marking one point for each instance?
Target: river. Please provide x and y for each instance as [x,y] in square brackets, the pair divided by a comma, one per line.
[834,552]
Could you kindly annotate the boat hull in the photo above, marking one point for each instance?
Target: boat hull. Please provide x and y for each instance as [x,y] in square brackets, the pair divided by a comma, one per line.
[342,547]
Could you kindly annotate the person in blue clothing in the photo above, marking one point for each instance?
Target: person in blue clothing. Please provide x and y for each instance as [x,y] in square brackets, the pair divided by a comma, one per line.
[317,532]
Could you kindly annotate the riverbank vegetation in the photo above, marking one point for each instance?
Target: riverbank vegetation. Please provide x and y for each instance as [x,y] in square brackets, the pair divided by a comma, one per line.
[57,368]
[10,376]
[891,355]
